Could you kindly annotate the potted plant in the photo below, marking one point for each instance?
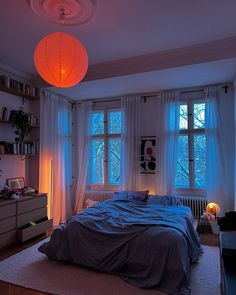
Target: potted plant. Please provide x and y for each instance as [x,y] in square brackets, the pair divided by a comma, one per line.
[20,120]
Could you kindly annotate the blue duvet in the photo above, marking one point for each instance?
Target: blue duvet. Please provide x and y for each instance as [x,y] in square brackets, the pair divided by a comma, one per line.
[148,245]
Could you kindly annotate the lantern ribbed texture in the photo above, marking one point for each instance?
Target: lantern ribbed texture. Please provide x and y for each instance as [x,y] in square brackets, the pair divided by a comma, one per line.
[61,59]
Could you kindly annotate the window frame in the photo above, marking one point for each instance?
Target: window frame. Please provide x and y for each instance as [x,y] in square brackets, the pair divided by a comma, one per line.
[106,136]
[190,99]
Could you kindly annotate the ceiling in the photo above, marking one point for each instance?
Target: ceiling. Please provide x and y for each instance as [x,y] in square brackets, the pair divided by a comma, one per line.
[134,46]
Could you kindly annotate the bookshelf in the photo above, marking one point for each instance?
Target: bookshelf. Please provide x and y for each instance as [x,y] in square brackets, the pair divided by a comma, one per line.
[17,93]
[22,159]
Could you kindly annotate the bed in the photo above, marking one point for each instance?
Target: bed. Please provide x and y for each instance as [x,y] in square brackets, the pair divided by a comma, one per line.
[147,243]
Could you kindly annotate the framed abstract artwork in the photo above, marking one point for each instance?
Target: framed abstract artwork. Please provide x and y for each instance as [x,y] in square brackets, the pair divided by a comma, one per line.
[148,154]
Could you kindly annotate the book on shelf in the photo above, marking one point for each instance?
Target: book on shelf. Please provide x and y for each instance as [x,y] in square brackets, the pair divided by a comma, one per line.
[2,147]
[4,81]
[5,147]
[5,113]
[19,86]
[33,120]
[21,148]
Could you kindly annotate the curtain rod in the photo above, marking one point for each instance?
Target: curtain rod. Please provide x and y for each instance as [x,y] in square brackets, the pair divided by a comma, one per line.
[98,101]
[155,93]
[225,87]
[189,91]
[148,96]
[94,100]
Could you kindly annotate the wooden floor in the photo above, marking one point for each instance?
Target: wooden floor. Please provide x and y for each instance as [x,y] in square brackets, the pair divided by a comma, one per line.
[209,239]
[11,250]
[9,289]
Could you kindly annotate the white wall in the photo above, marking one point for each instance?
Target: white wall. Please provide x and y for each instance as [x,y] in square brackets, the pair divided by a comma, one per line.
[235,144]
[228,144]
[149,125]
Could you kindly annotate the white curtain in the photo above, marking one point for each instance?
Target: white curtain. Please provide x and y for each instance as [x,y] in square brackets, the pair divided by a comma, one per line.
[219,149]
[83,126]
[130,144]
[168,143]
[55,114]
[235,144]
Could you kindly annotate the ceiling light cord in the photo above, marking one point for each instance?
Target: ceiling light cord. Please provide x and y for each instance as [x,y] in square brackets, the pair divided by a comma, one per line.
[62,18]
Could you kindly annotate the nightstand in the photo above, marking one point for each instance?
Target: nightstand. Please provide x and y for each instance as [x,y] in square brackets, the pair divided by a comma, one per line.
[204,227]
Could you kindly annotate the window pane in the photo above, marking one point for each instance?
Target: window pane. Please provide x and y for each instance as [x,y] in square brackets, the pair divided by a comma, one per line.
[183,116]
[199,115]
[114,122]
[182,173]
[97,160]
[98,123]
[200,160]
[114,145]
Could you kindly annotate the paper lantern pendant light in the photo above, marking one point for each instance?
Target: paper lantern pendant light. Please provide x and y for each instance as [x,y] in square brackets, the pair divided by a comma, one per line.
[61,59]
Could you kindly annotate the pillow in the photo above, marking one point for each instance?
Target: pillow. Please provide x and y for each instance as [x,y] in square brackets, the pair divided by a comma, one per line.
[166,200]
[132,195]
[90,203]
[139,196]
[121,195]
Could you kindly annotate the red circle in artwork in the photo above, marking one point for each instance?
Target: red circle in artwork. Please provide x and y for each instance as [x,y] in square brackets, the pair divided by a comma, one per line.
[149,151]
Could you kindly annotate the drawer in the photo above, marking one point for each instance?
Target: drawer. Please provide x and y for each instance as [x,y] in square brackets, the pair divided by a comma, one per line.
[32,204]
[7,211]
[7,224]
[7,238]
[25,218]
[33,231]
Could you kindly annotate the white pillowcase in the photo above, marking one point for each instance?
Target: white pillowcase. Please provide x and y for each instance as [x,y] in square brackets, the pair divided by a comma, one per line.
[90,203]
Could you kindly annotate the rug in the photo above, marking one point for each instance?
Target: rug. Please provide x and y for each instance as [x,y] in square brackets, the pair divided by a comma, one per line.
[31,269]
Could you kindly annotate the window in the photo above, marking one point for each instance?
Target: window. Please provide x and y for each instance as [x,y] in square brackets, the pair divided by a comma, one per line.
[191,158]
[105,148]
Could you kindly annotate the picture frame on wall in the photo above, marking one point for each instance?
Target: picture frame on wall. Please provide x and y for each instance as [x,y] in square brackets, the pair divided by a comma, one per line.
[148,154]
[16,184]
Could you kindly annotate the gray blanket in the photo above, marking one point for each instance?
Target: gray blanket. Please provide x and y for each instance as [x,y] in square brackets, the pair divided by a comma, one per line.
[148,245]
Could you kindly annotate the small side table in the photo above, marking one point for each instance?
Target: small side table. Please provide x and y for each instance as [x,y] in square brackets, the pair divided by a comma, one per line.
[204,226]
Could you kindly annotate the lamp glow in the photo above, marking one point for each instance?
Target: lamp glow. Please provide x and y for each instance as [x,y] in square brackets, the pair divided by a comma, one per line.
[61,59]
[213,208]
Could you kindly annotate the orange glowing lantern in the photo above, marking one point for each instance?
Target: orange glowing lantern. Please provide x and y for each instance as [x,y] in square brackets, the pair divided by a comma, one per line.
[61,59]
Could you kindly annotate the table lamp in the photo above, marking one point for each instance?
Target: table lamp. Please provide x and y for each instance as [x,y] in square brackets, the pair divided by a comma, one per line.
[213,208]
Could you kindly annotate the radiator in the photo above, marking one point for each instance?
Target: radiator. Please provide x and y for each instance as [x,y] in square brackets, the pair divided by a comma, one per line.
[98,195]
[196,203]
